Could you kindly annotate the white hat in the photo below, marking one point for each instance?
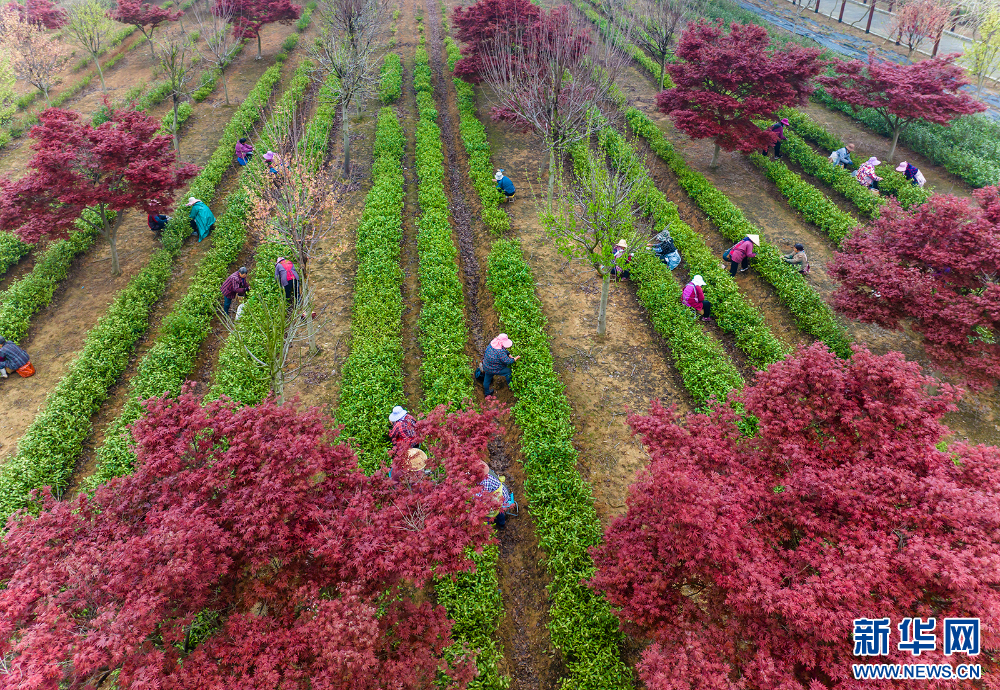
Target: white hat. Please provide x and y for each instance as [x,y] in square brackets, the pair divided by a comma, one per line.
[192,201]
[874,161]
[755,239]
[502,341]
[901,167]
[698,280]
[498,176]
[623,244]
[397,414]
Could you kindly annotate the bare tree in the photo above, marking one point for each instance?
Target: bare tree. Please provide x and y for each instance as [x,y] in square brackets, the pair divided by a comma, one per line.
[350,35]
[90,26]
[553,77]
[177,58]
[918,20]
[267,334]
[657,22]
[594,212]
[35,54]
[297,207]
[215,24]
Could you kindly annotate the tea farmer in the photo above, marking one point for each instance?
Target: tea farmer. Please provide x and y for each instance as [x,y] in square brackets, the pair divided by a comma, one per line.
[497,361]
[798,258]
[202,219]
[504,184]
[404,427]
[778,127]
[912,173]
[842,156]
[694,297]
[244,151]
[13,358]
[866,173]
[288,279]
[235,284]
[494,490]
[740,254]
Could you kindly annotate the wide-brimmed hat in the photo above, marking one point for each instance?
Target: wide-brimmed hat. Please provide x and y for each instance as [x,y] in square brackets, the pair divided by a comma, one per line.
[623,244]
[502,341]
[850,147]
[784,121]
[755,239]
[396,414]
[498,176]
[417,459]
[269,156]
[192,201]
[901,167]
[698,280]
[874,161]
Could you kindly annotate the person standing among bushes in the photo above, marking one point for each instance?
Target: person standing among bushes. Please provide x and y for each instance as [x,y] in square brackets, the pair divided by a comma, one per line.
[235,284]
[694,297]
[244,151]
[741,253]
[497,361]
[202,218]
[866,173]
[912,173]
[798,258]
[779,128]
[288,279]
[842,156]
[404,427]
[13,358]
[618,269]
[504,184]
[494,490]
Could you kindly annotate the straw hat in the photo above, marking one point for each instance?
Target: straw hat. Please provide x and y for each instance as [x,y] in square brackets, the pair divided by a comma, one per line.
[397,414]
[850,147]
[623,244]
[502,341]
[192,201]
[269,156]
[901,167]
[698,280]
[755,239]
[417,459]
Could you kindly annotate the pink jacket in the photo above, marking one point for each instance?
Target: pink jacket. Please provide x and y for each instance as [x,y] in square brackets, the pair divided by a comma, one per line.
[243,149]
[693,296]
[742,250]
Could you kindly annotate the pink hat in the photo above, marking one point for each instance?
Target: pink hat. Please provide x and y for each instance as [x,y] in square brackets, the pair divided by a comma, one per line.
[269,156]
[502,341]
[784,121]
[901,167]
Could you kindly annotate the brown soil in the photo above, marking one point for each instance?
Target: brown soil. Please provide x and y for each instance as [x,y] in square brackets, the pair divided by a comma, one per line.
[58,331]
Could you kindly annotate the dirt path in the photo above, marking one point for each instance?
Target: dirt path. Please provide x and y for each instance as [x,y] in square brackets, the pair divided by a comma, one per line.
[58,332]
[976,419]
[530,659]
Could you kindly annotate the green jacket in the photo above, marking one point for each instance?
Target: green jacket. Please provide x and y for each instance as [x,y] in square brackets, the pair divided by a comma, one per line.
[202,219]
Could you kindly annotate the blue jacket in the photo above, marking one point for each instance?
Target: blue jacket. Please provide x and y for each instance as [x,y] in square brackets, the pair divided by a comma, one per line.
[506,186]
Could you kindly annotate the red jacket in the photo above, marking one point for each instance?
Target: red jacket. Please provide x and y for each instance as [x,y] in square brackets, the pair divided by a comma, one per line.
[742,250]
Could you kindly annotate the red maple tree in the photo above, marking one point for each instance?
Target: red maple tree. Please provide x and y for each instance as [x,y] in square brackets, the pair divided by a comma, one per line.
[41,12]
[727,80]
[936,266]
[246,551]
[483,23]
[142,14]
[901,94]
[248,16]
[746,558]
[121,164]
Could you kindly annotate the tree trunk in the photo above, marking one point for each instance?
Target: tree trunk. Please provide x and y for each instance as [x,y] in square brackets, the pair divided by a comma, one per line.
[225,86]
[895,138]
[663,68]
[100,72]
[110,231]
[177,143]
[602,312]
[149,39]
[45,92]
[715,158]
[116,269]
[552,173]
[258,46]
[307,306]
[345,125]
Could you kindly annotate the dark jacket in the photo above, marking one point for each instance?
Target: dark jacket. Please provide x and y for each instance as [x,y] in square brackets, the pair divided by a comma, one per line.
[235,285]
[780,129]
[494,361]
[505,185]
[11,356]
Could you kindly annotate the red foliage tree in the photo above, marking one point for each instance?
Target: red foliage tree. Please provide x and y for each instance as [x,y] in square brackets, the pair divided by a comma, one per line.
[116,166]
[901,94]
[935,265]
[247,550]
[726,81]
[248,16]
[142,14]
[481,24]
[42,12]
[746,558]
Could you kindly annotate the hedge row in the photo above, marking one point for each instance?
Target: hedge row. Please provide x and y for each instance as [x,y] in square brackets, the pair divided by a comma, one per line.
[392,78]
[11,250]
[210,78]
[813,204]
[235,376]
[581,623]
[373,373]
[445,374]
[811,313]
[704,366]
[480,167]
[732,311]
[165,366]
[817,165]
[49,448]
